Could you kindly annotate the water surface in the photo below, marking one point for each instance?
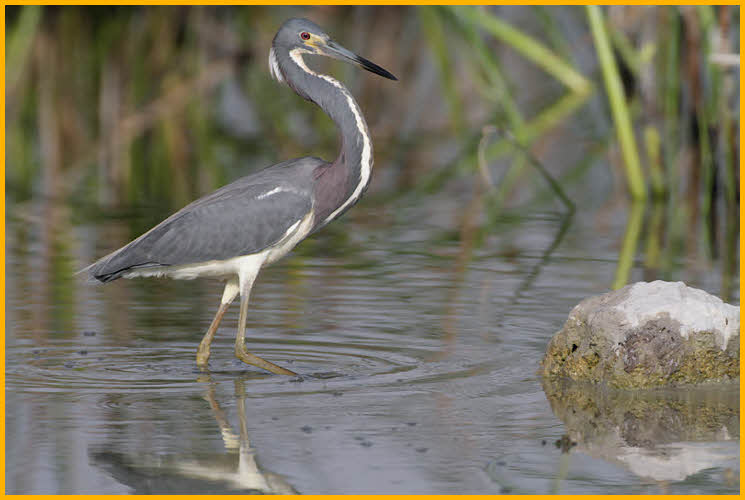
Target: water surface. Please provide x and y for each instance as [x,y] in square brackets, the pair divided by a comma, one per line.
[417,363]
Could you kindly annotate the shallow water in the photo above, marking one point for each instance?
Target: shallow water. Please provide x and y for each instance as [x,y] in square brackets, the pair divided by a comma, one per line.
[417,368]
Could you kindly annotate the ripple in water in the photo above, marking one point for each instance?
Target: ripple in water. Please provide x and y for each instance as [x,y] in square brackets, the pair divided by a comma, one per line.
[322,366]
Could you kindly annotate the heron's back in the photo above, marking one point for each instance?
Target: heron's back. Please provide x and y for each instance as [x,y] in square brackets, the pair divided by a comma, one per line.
[244,217]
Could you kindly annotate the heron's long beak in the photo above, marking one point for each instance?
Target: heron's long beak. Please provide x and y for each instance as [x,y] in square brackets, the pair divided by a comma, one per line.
[333,49]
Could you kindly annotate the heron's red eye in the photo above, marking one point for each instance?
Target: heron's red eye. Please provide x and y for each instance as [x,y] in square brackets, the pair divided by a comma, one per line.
[305,35]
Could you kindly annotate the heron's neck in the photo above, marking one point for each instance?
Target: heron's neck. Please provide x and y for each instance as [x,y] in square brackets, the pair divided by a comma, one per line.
[355,156]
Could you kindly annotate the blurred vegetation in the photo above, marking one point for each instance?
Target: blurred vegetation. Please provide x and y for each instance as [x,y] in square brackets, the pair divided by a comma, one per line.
[117,107]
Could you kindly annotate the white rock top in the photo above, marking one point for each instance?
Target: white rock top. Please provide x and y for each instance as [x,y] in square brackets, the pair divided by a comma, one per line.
[694,309]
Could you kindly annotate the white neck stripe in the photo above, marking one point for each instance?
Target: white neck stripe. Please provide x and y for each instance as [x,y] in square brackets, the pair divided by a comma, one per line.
[366,155]
[274,66]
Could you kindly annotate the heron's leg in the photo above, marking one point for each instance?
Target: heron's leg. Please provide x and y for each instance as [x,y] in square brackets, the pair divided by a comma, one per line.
[231,290]
[246,283]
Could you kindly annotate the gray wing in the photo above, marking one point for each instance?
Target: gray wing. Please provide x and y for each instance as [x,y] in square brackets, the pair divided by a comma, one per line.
[237,220]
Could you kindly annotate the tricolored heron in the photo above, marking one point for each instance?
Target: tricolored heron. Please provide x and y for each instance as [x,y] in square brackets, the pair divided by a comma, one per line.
[252,222]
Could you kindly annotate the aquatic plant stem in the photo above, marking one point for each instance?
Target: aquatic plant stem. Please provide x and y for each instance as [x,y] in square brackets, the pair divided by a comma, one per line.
[528,47]
[618,104]
[656,174]
[435,34]
[20,42]
[628,247]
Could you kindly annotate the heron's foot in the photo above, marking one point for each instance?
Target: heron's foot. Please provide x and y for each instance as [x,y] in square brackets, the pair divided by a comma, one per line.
[202,359]
[203,355]
[250,359]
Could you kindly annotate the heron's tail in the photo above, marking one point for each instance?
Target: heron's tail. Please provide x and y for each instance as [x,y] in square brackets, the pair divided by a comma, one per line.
[89,273]
[94,271]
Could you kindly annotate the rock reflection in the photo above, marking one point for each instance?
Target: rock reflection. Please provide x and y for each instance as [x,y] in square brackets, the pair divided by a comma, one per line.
[235,471]
[663,435]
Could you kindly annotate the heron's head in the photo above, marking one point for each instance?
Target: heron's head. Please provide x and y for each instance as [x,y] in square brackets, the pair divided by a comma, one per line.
[307,37]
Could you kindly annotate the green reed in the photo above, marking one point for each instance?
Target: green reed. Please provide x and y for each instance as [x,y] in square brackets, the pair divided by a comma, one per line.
[124,107]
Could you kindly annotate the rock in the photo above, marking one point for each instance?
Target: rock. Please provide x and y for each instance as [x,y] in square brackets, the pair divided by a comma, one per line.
[648,335]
